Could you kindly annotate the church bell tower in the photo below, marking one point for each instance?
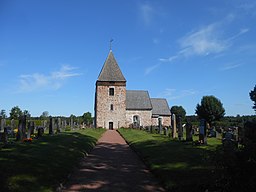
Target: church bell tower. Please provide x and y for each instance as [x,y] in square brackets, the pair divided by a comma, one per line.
[110,96]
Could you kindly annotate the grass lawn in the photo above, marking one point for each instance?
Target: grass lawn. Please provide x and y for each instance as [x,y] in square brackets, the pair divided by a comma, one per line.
[180,166]
[44,163]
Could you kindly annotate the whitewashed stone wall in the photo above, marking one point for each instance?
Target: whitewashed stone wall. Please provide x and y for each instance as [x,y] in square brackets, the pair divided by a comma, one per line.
[166,121]
[145,117]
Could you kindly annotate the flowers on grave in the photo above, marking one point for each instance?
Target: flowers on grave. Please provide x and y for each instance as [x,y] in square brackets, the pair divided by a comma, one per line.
[27,140]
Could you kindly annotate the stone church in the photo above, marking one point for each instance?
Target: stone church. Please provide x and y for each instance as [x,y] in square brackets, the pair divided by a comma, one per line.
[117,107]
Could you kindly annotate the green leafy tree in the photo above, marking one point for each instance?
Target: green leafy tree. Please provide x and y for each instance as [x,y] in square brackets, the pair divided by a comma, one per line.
[87,118]
[253,97]
[15,113]
[210,109]
[3,114]
[178,111]
[26,112]
[44,115]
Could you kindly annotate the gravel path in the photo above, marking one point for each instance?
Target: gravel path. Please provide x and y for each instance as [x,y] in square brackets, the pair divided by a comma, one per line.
[112,166]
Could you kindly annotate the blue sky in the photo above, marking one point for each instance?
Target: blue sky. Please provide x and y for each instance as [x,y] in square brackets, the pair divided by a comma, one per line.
[51,52]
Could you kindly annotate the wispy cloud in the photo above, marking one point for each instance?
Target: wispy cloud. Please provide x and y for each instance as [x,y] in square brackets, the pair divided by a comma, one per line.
[208,40]
[146,12]
[151,68]
[149,11]
[230,66]
[54,80]
[203,42]
[173,94]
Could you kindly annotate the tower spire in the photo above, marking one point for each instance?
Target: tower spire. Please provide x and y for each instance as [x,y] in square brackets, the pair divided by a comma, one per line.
[110,44]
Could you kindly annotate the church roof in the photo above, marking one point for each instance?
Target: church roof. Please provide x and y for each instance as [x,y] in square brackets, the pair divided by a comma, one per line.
[138,100]
[110,70]
[160,107]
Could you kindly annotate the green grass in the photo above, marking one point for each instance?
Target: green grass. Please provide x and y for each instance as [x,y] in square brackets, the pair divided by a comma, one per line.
[45,163]
[180,166]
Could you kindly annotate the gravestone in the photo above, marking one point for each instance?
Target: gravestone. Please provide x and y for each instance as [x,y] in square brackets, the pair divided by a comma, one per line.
[5,136]
[71,124]
[58,125]
[21,128]
[13,126]
[174,126]
[180,129]
[65,124]
[51,132]
[189,132]
[202,132]
[40,131]
[2,123]
[31,127]
[160,125]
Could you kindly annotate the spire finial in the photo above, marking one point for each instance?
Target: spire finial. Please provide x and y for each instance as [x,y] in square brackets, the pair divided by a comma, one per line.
[110,44]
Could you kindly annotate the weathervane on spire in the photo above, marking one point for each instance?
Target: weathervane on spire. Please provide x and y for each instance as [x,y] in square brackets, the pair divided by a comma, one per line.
[110,44]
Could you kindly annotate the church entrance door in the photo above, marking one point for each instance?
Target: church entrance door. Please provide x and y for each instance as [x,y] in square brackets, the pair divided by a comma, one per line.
[110,125]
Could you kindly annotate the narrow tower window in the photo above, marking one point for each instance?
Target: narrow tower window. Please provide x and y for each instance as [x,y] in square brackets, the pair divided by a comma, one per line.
[111,91]
[111,107]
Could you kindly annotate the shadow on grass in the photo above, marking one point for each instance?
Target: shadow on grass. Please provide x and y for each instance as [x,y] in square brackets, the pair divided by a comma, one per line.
[180,166]
[42,164]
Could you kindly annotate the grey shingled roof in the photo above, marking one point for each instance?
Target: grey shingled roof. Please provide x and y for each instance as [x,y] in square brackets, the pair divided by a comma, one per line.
[110,70]
[160,106]
[138,100]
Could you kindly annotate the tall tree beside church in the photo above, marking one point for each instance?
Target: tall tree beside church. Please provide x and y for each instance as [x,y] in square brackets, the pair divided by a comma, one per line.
[253,97]
[210,109]
[178,111]
[87,118]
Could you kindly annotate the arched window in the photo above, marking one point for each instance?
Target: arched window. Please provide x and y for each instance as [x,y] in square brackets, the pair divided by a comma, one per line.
[136,121]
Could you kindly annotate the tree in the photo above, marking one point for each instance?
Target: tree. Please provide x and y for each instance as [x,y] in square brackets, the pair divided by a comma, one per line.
[210,109]
[3,114]
[15,113]
[253,97]
[44,115]
[87,118]
[26,112]
[178,111]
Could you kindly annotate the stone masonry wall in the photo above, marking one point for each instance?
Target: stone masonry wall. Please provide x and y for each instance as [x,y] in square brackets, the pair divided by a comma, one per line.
[104,114]
[145,117]
[166,121]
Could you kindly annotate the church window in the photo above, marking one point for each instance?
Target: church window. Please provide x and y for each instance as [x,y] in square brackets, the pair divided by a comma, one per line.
[111,91]
[136,121]
[111,107]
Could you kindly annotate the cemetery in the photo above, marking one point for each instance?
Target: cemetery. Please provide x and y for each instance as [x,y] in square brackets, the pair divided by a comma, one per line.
[179,156]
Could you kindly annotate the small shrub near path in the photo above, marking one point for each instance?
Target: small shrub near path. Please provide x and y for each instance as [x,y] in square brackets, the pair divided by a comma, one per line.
[41,165]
